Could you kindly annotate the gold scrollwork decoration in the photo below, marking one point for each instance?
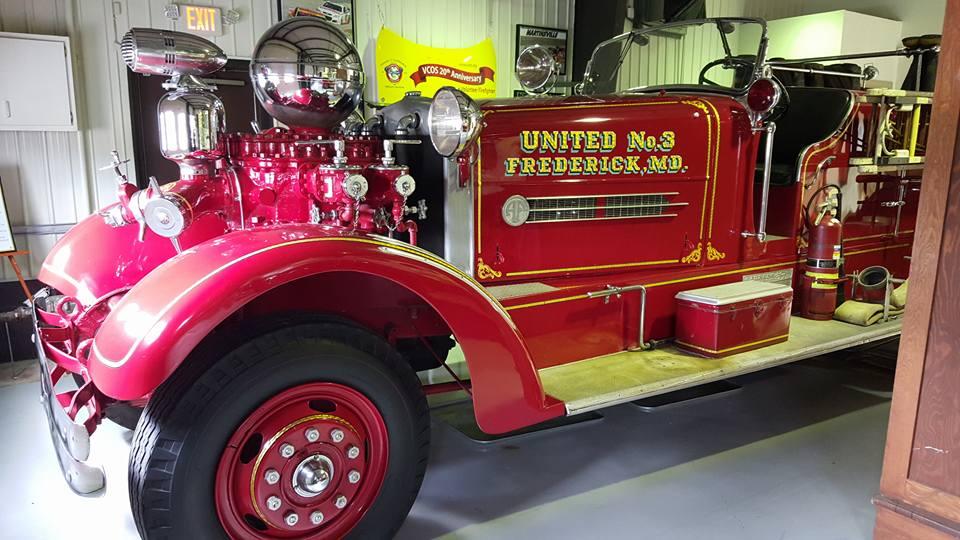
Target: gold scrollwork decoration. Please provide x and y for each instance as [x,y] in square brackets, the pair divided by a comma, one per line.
[484,271]
[694,256]
[714,254]
[698,104]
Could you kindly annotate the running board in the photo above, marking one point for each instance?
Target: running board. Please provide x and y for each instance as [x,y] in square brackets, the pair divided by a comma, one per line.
[617,378]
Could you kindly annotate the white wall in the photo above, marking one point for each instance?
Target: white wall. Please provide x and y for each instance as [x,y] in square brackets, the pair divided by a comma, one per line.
[99,25]
[52,178]
[918,16]
[40,171]
[461,23]
[838,32]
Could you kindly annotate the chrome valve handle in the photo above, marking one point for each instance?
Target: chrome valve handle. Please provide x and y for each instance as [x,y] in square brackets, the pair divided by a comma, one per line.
[115,163]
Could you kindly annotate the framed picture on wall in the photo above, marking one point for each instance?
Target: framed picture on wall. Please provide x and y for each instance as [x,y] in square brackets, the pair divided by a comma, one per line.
[6,231]
[553,39]
[338,12]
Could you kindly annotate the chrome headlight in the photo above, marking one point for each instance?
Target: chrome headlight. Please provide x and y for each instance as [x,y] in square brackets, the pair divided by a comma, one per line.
[454,121]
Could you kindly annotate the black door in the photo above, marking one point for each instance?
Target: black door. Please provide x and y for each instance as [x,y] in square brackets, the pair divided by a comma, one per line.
[233,88]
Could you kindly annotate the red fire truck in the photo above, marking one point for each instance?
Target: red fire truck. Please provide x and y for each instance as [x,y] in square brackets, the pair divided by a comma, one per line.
[270,309]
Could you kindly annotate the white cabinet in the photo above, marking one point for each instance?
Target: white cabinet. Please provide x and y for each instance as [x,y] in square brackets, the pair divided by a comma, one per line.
[36,83]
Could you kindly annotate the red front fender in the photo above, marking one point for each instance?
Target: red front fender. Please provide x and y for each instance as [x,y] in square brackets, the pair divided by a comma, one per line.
[156,325]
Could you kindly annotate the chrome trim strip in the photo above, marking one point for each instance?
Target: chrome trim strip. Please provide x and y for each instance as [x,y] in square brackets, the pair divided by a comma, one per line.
[599,219]
[459,221]
[603,195]
[613,206]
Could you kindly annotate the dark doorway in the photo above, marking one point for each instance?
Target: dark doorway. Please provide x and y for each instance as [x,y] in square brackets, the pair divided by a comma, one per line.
[233,88]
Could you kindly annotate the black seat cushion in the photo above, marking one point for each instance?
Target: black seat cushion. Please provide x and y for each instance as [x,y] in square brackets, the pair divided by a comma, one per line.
[813,114]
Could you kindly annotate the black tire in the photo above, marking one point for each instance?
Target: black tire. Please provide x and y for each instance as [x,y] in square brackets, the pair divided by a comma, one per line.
[180,438]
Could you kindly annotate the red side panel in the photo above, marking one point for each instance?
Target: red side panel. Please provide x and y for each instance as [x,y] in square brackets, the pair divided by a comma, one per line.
[689,152]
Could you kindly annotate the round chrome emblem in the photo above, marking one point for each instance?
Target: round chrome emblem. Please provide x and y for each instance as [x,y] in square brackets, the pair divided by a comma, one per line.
[166,215]
[515,210]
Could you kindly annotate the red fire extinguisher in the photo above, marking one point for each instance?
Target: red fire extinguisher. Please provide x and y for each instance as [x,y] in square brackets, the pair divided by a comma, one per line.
[822,274]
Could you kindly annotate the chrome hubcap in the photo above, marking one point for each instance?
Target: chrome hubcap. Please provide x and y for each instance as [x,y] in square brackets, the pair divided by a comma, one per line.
[312,475]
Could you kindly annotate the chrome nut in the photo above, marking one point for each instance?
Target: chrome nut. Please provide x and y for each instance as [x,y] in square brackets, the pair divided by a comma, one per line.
[353,452]
[273,502]
[341,502]
[316,517]
[353,477]
[312,435]
[291,518]
[336,435]
[287,450]
[271,476]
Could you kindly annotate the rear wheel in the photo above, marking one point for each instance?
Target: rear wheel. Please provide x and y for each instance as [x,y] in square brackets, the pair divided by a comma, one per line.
[315,431]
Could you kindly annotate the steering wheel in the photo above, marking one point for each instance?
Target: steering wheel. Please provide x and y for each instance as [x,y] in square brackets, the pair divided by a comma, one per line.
[729,62]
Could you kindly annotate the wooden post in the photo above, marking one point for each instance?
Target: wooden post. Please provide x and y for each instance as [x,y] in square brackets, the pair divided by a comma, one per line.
[920,488]
[12,257]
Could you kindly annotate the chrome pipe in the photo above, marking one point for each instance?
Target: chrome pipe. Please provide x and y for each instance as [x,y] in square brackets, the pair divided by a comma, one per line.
[612,290]
[819,71]
[856,56]
[761,233]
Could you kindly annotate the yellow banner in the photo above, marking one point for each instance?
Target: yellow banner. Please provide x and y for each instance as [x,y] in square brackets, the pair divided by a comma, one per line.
[404,66]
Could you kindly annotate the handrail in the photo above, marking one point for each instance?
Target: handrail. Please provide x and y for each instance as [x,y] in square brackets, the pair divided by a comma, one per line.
[855,56]
[613,290]
[761,233]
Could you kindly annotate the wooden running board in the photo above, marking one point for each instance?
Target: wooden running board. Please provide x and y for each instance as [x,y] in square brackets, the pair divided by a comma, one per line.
[617,378]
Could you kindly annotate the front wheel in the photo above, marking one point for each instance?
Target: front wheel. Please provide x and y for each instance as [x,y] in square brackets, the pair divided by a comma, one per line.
[313,431]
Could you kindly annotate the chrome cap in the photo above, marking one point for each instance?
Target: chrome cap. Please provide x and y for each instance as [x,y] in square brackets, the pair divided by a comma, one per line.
[307,73]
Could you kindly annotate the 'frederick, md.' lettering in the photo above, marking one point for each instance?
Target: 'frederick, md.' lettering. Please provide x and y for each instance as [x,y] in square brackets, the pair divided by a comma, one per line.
[645,153]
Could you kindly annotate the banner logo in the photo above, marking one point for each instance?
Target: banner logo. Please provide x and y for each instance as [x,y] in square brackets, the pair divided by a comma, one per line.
[394,73]
[404,66]
[451,73]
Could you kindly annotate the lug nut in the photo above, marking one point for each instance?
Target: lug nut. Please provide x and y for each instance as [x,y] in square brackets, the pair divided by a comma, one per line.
[287,450]
[291,518]
[312,435]
[353,477]
[316,517]
[341,502]
[271,476]
[353,452]
[336,435]
[273,502]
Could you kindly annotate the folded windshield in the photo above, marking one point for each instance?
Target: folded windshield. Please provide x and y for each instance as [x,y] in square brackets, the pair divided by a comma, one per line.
[718,53]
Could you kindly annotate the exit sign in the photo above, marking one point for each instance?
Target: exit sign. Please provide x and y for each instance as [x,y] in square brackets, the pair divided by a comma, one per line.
[202,20]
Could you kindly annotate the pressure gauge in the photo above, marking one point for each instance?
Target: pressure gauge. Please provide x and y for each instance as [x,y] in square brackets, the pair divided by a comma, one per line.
[355,186]
[405,185]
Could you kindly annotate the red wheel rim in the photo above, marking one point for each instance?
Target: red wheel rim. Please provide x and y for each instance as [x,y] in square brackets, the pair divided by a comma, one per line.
[307,463]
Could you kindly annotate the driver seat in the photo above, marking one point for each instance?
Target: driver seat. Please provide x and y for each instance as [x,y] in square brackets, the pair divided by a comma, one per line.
[812,115]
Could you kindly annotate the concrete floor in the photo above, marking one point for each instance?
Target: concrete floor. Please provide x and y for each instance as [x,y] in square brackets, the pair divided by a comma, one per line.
[794,454]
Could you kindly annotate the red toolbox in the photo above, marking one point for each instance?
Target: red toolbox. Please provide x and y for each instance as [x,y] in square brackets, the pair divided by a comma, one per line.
[733,318]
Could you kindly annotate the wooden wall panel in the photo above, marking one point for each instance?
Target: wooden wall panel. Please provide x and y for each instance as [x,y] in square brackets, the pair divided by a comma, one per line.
[921,469]
[936,446]
[894,526]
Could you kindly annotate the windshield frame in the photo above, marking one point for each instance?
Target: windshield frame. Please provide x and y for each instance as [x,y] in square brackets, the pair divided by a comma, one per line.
[758,68]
